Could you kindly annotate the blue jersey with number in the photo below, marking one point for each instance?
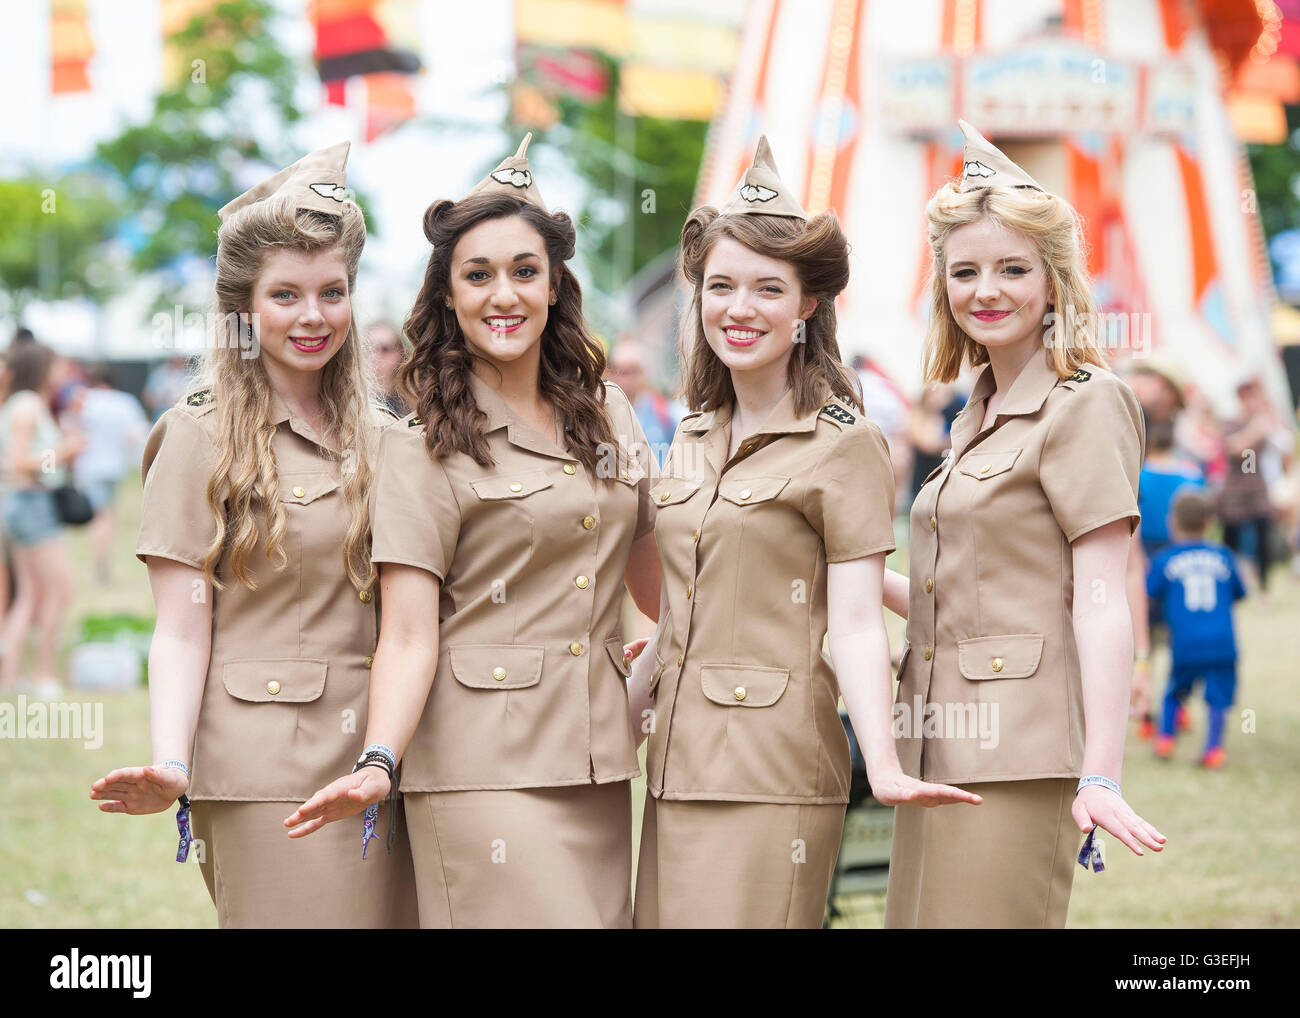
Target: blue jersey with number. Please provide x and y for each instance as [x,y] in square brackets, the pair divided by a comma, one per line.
[1196,583]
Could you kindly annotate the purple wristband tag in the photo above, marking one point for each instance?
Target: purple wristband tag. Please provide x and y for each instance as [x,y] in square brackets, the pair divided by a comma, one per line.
[1090,854]
[368,826]
[183,829]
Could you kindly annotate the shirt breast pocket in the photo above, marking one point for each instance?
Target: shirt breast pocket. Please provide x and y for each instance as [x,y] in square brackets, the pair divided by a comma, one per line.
[751,491]
[673,491]
[984,466]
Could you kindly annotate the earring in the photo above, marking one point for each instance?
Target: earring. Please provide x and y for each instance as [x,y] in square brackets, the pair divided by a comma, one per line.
[448,304]
[554,298]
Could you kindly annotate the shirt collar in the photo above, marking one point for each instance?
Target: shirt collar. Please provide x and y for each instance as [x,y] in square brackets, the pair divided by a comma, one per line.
[781,421]
[280,413]
[1026,396]
[518,431]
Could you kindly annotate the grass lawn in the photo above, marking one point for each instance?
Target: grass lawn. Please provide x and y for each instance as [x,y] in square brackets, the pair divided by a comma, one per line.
[1232,834]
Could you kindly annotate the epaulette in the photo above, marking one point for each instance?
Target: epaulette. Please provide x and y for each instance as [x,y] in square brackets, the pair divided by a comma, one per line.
[200,398]
[1080,375]
[837,413]
[415,422]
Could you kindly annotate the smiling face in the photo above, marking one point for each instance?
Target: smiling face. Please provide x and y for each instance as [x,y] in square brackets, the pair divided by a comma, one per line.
[998,289]
[500,288]
[303,308]
[749,305]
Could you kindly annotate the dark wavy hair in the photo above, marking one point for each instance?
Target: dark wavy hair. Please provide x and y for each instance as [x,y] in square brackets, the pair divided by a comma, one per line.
[435,378]
[819,253]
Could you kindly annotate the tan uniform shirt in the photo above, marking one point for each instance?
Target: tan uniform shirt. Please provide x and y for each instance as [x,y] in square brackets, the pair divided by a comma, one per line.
[745,706]
[990,633]
[531,551]
[284,704]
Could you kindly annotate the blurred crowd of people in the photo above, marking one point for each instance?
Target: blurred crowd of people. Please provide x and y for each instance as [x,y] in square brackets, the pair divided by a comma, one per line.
[67,438]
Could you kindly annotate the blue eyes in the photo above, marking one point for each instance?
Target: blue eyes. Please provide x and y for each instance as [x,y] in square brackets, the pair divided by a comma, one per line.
[333,293]
[1010,270]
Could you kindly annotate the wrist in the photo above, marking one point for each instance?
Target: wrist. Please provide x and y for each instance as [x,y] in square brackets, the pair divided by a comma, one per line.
[1099,780]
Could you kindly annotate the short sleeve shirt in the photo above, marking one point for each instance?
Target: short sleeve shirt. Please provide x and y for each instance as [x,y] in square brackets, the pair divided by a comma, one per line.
[284,703]
[989,685]
[745,703]
[531,552]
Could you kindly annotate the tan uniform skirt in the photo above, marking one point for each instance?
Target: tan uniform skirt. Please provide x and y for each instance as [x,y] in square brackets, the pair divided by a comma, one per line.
[523,858]
[260,878]
[1006,863]
[735,865]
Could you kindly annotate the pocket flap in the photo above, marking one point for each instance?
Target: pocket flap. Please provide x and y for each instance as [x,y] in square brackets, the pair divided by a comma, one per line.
[999,657]
[303,489]
[751,490]
[495,666]
[983,465]
[743,685]
[275,680]
[510,485]
[672,490]
[615,648]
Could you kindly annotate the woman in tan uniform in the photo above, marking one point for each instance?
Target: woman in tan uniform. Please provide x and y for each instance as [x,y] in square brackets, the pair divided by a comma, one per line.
[508,511]
[1018,627]
[255,530]
[773,522]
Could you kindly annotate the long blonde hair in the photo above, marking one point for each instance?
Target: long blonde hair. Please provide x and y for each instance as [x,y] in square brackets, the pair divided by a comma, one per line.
[1056,231]
[246,469]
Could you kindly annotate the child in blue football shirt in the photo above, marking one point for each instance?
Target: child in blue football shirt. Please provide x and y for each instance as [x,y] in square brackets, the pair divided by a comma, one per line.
[1196,583]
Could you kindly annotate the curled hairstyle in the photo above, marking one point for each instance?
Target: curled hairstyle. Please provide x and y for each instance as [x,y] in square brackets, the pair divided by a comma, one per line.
[819,254]
[246,473]
[435,378]
[1056,231]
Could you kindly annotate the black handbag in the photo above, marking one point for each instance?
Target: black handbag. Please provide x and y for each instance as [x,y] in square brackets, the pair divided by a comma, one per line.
[72,505]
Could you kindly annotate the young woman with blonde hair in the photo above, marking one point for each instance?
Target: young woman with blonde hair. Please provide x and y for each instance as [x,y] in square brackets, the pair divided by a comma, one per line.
[256,531]
[1018,620]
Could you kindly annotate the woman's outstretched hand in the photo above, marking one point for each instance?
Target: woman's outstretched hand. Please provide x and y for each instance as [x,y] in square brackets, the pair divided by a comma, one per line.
[897,789]
[1097,805]
[344,797]
[139,790]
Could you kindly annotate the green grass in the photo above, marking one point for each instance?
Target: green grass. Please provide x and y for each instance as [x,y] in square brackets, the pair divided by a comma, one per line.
[1228,863]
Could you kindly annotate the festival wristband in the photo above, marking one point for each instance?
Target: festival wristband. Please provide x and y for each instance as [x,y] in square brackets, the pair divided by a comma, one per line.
[1097,779]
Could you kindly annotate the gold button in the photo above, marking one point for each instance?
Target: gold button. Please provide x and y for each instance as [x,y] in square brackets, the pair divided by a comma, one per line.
[746,493]
[986,468]
[695,537]
[626,476]
[929,585]
[689,591]
[369,661]
[516,486]
[929,652]
[498,673]
[679,660]
[997,664]
[570,468]
[582,582]
[933,523]
[739,693]
[663,497]
[588,522]
[365,596]
[575,648]
[273,687]
[299,491]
